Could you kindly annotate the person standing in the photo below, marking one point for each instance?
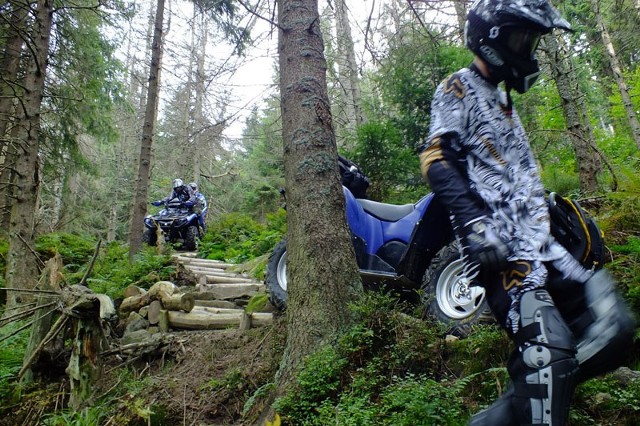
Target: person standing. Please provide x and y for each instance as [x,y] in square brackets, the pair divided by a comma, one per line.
[478,162]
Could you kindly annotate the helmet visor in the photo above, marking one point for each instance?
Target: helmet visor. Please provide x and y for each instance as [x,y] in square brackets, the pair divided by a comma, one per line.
[523,42]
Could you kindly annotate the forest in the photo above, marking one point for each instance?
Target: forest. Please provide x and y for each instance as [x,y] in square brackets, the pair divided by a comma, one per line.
[103,103]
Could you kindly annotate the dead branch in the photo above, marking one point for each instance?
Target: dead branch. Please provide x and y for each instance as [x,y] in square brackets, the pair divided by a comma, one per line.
[29,324]
[83,281]
[23,314]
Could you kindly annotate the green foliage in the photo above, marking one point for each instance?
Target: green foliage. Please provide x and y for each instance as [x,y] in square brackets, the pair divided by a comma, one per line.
[391,167]
[11,354]
[238,238]
[112,271]
[89,416]
[408,78]
[74,249]
[318,381]
[371,373]
[599,400]
[415,401]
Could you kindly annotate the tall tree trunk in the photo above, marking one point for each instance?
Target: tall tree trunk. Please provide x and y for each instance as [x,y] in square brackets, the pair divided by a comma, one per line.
[22,264]
[460,7]
[617,75]
[575,112]
[347,71]
[144,164]
[9,87]
[323,275]
[198,108]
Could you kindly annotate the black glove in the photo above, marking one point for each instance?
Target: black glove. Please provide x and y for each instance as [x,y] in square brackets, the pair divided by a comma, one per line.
[483,247]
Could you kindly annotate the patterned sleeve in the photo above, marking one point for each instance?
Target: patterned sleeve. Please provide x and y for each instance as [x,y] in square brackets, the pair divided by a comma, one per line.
[448,118]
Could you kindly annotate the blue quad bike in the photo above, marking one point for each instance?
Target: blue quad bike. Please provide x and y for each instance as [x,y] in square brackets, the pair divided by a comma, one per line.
[410,250]
[177,222]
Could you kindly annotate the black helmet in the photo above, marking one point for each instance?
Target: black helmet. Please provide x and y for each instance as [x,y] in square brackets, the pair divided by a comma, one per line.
[505,34]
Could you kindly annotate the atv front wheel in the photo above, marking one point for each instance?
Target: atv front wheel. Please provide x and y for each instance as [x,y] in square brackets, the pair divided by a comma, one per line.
[448,295]
[150,237]
[191,238]
[276,276]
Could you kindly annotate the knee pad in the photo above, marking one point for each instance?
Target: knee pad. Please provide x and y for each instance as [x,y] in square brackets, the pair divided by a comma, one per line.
[605,341]
[543,367]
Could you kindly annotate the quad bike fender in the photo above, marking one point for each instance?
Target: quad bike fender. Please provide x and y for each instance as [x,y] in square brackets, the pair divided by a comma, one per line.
[377,232]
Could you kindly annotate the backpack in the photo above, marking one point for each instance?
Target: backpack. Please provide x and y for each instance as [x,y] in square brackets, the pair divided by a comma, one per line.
[576,231]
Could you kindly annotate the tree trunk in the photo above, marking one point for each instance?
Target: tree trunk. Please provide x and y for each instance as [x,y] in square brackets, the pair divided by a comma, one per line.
[461,15]
[575,112]
[347,72]
[8,88]
[617,75]
[144,165]
[323,275]
[49,281]
[200,86]
[22,266]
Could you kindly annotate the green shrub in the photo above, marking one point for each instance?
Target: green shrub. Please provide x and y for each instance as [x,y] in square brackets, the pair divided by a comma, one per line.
[316,384]
[237,238]
[597,401]
[11,354]
[112,271]
[75,250]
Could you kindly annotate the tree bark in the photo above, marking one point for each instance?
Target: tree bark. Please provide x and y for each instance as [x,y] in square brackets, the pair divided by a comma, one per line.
[347,72]
[575,112]
[22,264]
[460,7]
[9,89]
[322,272]
[50,280]
[617,75]
[144,166]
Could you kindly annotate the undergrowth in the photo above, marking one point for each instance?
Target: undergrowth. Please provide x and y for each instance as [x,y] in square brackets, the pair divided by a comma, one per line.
[237,238]
[393,369]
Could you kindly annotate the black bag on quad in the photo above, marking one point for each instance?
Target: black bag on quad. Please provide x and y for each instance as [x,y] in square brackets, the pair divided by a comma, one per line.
[353,178]
[576,231]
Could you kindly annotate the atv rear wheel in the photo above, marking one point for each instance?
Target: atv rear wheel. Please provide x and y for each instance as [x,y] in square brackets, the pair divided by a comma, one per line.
[276,276]
[191,238]
[448,295]
[149,237]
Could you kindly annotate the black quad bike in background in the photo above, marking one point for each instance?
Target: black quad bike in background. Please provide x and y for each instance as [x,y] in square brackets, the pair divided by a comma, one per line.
[410,250]
[178,224]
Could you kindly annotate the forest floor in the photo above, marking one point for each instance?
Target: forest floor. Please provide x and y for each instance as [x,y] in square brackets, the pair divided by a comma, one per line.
[194,377]
[202,378]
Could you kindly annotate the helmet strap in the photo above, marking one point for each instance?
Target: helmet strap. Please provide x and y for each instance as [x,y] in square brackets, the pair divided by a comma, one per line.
[508,109]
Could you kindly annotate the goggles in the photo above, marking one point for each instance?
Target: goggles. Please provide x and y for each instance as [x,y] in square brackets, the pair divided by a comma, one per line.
[521,41]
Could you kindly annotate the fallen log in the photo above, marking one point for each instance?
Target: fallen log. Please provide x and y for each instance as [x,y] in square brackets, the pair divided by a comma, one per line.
[202,320]
[165,286]
[176,302]
[165,292]
[134,303]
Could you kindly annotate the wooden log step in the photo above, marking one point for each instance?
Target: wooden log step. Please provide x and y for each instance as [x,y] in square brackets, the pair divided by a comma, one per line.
[200,320]
[204,262]
[213,279]
[215,303]
[209,271]
[227,291]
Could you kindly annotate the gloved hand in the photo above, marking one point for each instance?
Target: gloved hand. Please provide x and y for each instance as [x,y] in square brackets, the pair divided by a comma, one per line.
[188,204]
[157,203]
[483,247]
